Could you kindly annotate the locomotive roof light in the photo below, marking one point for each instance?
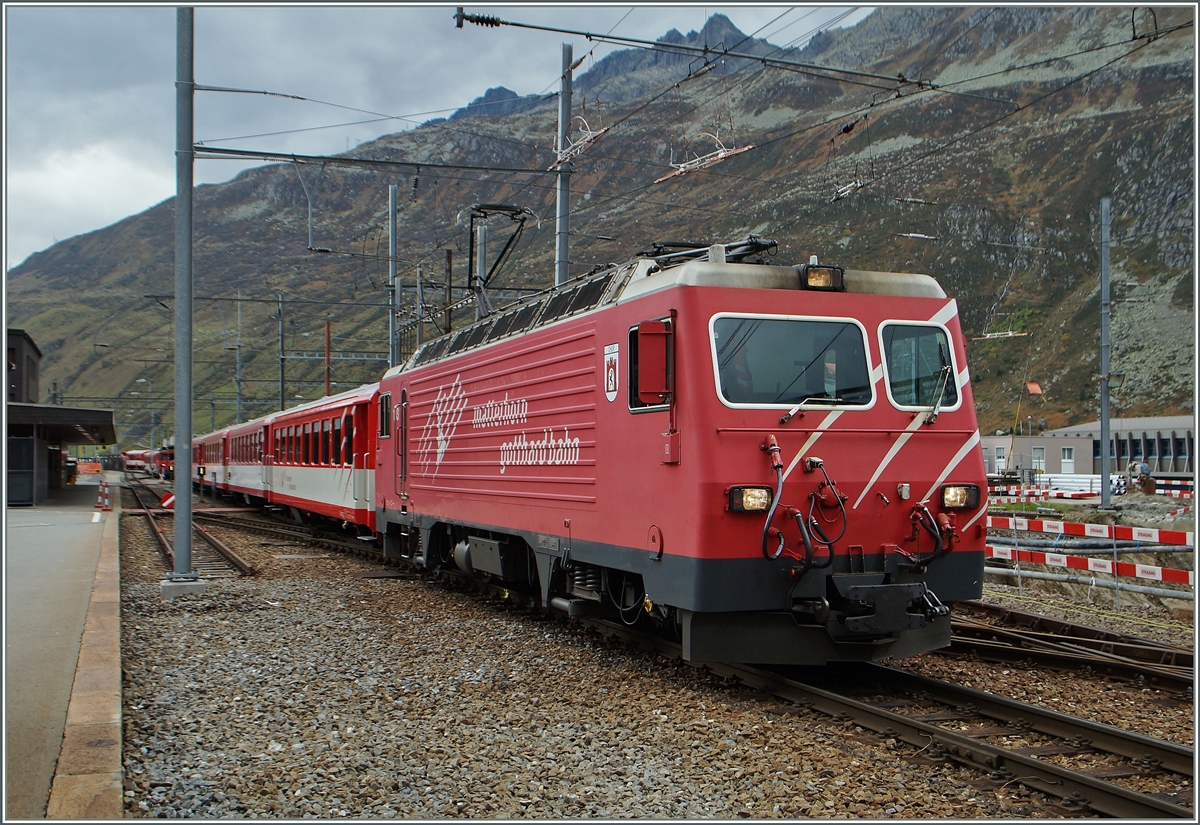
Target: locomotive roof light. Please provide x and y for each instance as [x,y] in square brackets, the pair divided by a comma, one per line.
[823,277]
[960,497]
[749,499]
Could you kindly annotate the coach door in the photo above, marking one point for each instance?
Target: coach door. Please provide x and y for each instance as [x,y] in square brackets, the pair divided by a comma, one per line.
[262,457]
[361,464]
[401,439]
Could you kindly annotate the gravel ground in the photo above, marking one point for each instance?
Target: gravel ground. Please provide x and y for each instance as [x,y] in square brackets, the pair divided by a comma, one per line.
[312,690]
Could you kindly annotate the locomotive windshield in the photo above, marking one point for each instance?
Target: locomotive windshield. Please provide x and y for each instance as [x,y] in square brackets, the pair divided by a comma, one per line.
[791,361]
[918,365]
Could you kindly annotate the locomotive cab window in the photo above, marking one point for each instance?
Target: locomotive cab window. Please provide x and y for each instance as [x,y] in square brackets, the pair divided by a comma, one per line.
[781,361]
[385,415]
[920,366]
[636,403]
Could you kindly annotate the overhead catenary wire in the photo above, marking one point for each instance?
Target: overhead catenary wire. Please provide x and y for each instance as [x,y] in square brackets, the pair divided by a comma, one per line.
[628,194]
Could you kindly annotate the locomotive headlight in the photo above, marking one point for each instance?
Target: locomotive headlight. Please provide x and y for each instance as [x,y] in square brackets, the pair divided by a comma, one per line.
[960,497]
[749,499]
[827,278]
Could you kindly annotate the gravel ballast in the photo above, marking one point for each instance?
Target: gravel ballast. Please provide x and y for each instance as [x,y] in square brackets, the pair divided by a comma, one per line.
[312,690]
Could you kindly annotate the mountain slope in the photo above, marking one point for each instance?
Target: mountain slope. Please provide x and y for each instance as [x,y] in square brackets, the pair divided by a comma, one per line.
[986,171]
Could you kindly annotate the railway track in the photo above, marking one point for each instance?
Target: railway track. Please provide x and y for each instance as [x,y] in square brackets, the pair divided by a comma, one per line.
[981,718]
[211,558]
[366,546]
[941,720]
[998,634]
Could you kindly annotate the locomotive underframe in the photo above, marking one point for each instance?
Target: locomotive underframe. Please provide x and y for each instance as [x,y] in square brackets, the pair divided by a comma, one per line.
[748,610]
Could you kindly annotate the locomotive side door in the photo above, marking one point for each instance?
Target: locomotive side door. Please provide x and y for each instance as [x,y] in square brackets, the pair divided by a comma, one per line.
[400,416]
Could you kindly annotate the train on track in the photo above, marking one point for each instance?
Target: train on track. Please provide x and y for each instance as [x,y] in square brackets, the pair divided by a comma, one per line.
[771,463]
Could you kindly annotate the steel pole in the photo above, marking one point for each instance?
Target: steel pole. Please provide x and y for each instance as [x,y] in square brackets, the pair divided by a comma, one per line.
[562,226]
[239,360]
[420,305]
[185,86]
[1105,492]
[480,268]
[449,272]
[281,354]
[393,294]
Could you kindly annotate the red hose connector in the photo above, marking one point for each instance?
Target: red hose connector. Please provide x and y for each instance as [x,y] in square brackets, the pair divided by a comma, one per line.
[772,448]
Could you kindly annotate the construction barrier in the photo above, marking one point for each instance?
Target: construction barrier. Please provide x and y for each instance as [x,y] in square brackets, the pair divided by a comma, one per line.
[102,500]
[168,501]
[1099,531]
[1093,565]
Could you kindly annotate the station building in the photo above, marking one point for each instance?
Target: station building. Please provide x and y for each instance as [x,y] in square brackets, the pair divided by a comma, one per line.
[38,433]
[1165,443]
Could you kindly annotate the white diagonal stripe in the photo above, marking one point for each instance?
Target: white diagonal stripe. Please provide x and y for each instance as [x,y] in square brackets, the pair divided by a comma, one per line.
[812,439]
[945,313]
[887,459]
[959,456]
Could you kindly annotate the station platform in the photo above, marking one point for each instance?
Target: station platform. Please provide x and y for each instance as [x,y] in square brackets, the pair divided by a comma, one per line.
[62,645]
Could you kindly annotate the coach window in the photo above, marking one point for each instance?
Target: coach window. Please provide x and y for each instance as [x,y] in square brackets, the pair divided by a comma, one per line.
[385,415]
[306,444]
[315,438]
[325,441]
[337,441]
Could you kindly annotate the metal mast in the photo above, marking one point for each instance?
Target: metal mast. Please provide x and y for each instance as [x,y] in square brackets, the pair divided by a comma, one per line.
[562,225]
[393,294]
[1105,493]
[183,579]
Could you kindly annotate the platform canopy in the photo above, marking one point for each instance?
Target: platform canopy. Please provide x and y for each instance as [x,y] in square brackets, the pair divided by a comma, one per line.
[62,425]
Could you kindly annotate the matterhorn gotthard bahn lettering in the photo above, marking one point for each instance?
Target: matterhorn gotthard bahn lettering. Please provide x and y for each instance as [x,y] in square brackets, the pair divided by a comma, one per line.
[520,451]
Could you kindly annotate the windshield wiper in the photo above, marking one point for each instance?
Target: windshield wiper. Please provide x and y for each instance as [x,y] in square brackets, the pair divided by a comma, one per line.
[932,415]
[800,408]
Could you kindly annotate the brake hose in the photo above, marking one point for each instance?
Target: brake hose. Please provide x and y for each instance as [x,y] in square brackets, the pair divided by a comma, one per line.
[771,515]
[926,520]
[807,539]
[816,526]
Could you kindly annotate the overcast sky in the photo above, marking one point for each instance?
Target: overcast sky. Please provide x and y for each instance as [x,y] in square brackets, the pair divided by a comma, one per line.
[90,101]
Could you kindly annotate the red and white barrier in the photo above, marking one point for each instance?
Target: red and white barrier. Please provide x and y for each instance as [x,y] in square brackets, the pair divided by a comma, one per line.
[168,501]
[1099,531]
[1093,565]
[102,497]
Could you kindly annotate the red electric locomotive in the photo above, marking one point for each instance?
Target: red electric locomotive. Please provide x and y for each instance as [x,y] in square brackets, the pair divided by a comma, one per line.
[161,463]
[780,464]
